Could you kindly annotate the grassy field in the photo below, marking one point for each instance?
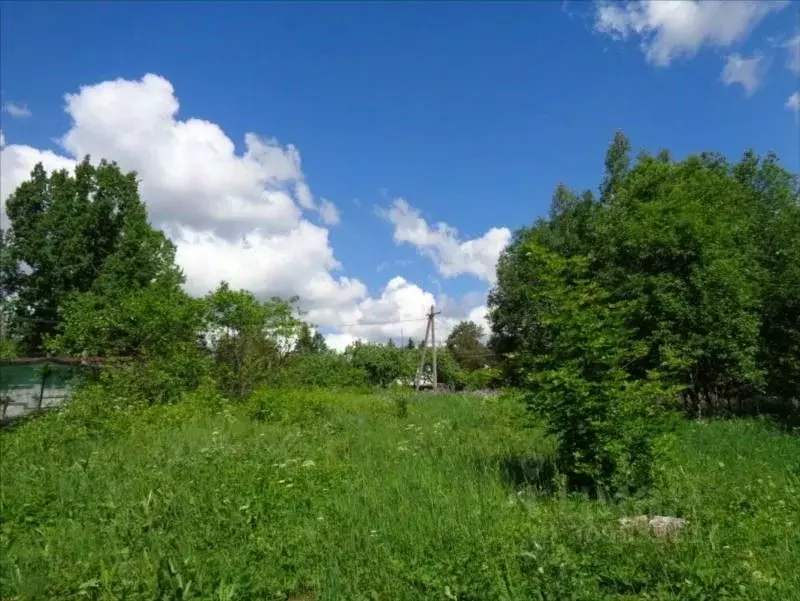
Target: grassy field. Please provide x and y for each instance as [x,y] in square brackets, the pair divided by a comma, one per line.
[323,496]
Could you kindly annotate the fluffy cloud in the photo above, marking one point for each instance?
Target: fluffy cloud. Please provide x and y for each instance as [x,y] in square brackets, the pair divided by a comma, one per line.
[329,212]
[748,72]
[15,110]
[340,341]
[793,103]
[399,313]
[190,171]
[669,29]
[296,262]
[241,217]
[232,216]
[399,309]
[452,257]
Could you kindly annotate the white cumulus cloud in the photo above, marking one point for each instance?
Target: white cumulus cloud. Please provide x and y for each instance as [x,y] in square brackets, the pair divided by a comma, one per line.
[400,308]
[451,256]
[669,29]
[329,212]
[749,72]
[399,313]
[297,262]
[240,216]
[189,169]
[233,216]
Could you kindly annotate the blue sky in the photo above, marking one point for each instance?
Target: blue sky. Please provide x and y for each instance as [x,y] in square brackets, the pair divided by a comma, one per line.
[471,112]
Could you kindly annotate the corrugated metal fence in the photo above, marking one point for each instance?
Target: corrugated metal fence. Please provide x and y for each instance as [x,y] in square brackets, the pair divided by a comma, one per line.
[29,385]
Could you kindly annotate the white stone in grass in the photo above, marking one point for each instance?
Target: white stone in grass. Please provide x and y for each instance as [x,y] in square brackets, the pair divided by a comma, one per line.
[660,526]
[666,527]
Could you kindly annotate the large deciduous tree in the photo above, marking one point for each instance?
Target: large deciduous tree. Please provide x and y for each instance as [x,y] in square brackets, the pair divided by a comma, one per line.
[466,346]
[77,233]
[683,273]
[704,255]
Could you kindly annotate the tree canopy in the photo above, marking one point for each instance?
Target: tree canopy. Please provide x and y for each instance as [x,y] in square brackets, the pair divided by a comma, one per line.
[701,251]
[466,347]
[684,276]
[78,233]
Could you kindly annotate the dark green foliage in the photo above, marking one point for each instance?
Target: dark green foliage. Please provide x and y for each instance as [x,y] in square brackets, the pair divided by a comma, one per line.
[384,365]
[248,339]
[683,278]
[529,470]
[308,343]
[85,274]
[449,373]
[703,255]
[617,163]
[604,419]
[483,379]
[464,344]
[77,233]
[320,370]
[153,330]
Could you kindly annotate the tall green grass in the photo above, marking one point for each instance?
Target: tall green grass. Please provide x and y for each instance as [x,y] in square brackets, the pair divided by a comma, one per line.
[326,496]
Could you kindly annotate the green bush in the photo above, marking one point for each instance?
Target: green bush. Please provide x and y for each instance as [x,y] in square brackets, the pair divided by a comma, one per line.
[703,255]
[323,370]
[285,405]
[483,379]
[606,422]
[248,339]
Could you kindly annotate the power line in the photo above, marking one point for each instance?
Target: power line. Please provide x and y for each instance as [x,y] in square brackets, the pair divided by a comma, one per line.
[345,325]
[377,323]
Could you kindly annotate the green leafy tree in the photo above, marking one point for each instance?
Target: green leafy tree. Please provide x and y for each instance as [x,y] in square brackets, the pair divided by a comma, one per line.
[76,233]
[702,253]
[449,372]
[149,337]
[319,370]
[464,344]
[617,164]
[515,313]
[248,338]
[605,421]
[410,344]
[383,364]
[308,343]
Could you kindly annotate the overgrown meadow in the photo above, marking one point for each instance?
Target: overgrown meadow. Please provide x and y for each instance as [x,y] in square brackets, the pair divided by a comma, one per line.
[349,496]
[212,457]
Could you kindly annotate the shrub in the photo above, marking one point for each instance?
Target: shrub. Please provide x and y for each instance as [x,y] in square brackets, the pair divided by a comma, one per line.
[604,420]
[323,370]
[482,379]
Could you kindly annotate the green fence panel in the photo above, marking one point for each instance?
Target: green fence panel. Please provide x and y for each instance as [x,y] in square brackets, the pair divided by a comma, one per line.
[30,386]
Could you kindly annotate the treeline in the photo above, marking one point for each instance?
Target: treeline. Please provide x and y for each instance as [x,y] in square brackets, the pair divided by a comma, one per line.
[679,285]
[83,273]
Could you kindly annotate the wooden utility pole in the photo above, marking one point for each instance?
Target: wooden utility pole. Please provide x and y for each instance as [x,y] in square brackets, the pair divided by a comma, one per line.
[430,328]
[433,343]
[422,353]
